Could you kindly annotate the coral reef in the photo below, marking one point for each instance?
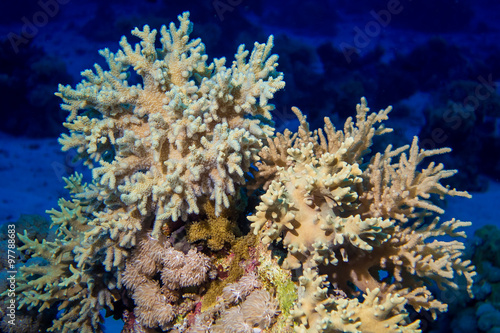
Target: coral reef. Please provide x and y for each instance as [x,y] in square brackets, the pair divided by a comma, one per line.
[36,227]
[318,312]
[256,311]
[341,239]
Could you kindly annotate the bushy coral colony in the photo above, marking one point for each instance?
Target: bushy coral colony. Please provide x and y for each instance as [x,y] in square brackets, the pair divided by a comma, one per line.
[200,218]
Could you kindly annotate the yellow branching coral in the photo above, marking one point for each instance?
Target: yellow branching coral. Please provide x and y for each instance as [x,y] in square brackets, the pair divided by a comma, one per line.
[317,312]
[343,217]
[317,194]
[188,131]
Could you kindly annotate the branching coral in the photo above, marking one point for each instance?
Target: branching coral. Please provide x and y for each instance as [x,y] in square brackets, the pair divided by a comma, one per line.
[80,288]
[318,192]
[345,218]
[188,133]
[319,313]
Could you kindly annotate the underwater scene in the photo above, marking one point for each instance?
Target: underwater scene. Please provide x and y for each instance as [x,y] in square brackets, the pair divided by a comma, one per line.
[237,166]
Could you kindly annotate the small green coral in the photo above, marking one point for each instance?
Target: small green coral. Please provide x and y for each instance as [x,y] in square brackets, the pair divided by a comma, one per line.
[215,230]
[239,253]
[279,279]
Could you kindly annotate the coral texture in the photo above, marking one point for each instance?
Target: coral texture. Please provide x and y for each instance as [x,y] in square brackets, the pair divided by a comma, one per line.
[341,239]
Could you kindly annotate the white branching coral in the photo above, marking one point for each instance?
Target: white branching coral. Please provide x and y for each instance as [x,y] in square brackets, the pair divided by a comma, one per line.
[188,132]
